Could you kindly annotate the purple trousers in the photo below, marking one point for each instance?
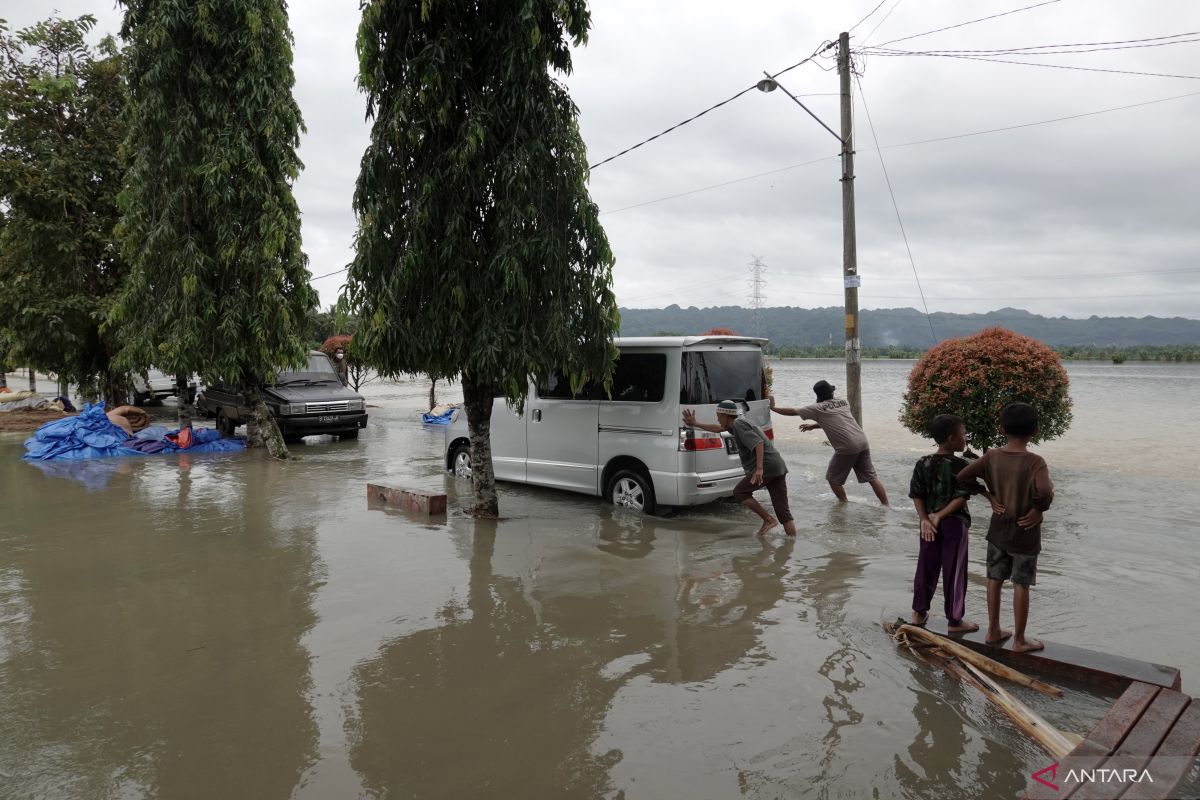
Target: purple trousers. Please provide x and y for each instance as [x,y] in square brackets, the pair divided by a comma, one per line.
[946,554]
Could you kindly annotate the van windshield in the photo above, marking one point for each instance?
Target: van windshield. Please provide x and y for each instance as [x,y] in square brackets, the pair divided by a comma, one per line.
[318,370]
[710,376]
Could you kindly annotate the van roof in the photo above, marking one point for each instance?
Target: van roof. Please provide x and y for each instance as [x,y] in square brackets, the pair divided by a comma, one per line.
[685,341]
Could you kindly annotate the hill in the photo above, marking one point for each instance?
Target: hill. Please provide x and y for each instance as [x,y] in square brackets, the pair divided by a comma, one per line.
[909,328]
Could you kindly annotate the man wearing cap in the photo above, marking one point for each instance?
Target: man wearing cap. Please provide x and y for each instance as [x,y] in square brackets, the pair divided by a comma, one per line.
[851,451]
[763,465]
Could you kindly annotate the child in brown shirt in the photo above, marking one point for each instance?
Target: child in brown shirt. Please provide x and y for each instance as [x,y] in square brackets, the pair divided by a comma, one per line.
[1020,482]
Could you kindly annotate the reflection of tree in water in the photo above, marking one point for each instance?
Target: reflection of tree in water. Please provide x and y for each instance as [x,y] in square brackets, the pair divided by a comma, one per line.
[494,703]
[161,653]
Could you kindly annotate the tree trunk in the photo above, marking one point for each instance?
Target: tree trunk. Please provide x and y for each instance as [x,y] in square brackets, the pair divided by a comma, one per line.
[263,430]
[114,388]
[432,394]
[32,380]
[477,398]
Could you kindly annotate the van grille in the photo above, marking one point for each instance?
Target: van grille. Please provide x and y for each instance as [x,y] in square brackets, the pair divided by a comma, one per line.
[323,408]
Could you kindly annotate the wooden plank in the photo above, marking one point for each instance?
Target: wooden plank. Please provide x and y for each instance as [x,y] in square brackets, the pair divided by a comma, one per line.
[1102,740]
[1110,731]
[981,661]
[1174,759]
[1133,755]
[1077,663]
[421,501]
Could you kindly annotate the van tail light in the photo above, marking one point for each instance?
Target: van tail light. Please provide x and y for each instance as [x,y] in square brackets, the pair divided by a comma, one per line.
[691,440]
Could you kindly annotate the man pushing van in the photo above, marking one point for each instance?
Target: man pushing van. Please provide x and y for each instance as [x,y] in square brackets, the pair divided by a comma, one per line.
[762,463]
[850,447]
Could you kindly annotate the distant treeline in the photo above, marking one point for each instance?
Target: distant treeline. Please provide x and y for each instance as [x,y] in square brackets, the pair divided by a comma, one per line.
[909,330]
[1070,353]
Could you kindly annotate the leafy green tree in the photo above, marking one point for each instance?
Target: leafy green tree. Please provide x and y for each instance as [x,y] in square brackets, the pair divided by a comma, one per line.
[976,376]
[218,284]
[61,124]
[479,252]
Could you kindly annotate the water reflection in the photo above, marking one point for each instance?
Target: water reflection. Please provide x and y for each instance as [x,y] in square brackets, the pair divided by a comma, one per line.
[142,644]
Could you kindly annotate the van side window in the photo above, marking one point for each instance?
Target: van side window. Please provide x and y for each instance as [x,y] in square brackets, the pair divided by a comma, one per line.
[710,376]
[639,378]
[558,387]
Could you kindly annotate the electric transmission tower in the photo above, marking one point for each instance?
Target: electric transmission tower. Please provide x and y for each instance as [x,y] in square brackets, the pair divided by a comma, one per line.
[757,283]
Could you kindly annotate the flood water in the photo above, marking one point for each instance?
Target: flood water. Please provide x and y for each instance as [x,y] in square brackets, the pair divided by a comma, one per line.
[230,627]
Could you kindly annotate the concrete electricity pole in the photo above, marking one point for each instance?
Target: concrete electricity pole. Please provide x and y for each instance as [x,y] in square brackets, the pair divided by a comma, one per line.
[849,241]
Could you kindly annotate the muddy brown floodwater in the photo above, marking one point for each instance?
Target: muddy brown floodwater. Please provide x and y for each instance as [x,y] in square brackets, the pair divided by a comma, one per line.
[229,627]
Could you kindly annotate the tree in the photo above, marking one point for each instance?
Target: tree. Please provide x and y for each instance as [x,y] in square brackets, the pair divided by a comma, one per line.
[218,284]
[976,376]
[479,252]
[62,107]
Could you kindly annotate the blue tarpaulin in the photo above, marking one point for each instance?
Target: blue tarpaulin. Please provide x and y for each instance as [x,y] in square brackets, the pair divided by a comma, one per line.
[438,419]
[91,435]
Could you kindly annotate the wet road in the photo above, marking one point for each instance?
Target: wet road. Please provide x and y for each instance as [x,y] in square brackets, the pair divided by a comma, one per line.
[231,627]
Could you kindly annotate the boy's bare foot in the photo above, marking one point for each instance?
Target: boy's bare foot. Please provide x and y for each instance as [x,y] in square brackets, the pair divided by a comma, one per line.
[919,619]
[766,526]
[997,636]
[963,627]
[1027,645]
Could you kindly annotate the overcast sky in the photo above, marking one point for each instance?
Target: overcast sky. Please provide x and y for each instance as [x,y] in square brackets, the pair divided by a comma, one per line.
[1097,215]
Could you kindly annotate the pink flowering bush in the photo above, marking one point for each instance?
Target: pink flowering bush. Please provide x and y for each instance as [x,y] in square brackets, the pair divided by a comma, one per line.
[975,376]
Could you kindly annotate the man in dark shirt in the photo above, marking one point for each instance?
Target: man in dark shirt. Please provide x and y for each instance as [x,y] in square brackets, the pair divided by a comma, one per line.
[762,463]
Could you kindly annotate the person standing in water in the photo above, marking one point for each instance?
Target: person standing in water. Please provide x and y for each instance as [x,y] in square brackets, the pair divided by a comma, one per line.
[762,463]
[851,451]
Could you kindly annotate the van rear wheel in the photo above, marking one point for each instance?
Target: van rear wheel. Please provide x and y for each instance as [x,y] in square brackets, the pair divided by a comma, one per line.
[631,489]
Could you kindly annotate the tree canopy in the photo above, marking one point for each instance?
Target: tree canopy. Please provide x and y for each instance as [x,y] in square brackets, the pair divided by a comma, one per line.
[976,376]
[61,124]
[218,284]
[478,249]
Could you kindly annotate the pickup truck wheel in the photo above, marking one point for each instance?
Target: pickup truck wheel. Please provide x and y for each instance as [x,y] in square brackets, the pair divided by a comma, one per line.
[350,434]
[631,489]
[224,424]
[139,399]
[460,461]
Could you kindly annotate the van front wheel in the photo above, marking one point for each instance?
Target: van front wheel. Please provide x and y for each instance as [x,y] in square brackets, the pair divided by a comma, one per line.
[631,489]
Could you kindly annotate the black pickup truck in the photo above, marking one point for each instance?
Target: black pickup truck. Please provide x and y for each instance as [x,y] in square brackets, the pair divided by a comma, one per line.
[305,402]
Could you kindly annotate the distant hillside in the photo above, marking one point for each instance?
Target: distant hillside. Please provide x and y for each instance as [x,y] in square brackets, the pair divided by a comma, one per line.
[907,327]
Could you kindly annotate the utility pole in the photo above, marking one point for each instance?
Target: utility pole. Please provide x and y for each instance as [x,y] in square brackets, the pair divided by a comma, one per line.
[849,244]
[757,282]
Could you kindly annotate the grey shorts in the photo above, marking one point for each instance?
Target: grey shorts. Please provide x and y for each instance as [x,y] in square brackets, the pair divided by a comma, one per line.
[841,464]
[1003,565]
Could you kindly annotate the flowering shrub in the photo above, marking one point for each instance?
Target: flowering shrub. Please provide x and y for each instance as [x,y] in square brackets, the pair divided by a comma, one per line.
[975,376]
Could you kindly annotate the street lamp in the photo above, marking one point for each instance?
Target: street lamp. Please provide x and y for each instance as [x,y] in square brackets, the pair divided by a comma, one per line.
[850,277]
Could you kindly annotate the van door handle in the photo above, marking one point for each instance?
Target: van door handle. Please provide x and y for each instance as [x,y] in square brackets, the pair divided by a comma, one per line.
[537,415]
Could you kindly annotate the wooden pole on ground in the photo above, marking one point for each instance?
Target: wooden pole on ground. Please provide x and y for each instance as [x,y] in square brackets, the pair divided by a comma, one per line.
[969,656]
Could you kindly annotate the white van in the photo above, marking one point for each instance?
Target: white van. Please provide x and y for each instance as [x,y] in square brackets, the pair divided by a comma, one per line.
[632,448]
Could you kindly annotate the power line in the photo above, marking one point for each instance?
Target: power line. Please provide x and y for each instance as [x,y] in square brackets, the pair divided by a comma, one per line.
[753,86]
[1056,66]
[868,16]
[879,24]
[1056,277]
[329,274]
[1051,49]
[895,206]
[968,22]
[720,185]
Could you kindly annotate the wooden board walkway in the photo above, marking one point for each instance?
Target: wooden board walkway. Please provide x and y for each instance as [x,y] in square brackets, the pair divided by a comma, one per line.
[1063,660]
[1141,749]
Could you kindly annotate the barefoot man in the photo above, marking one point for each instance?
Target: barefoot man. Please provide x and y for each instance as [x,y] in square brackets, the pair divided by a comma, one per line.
[850,447]
[763,465]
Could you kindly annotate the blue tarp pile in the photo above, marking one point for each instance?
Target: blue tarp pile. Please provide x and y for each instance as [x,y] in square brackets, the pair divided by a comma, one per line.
[439,419]
[91,435]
